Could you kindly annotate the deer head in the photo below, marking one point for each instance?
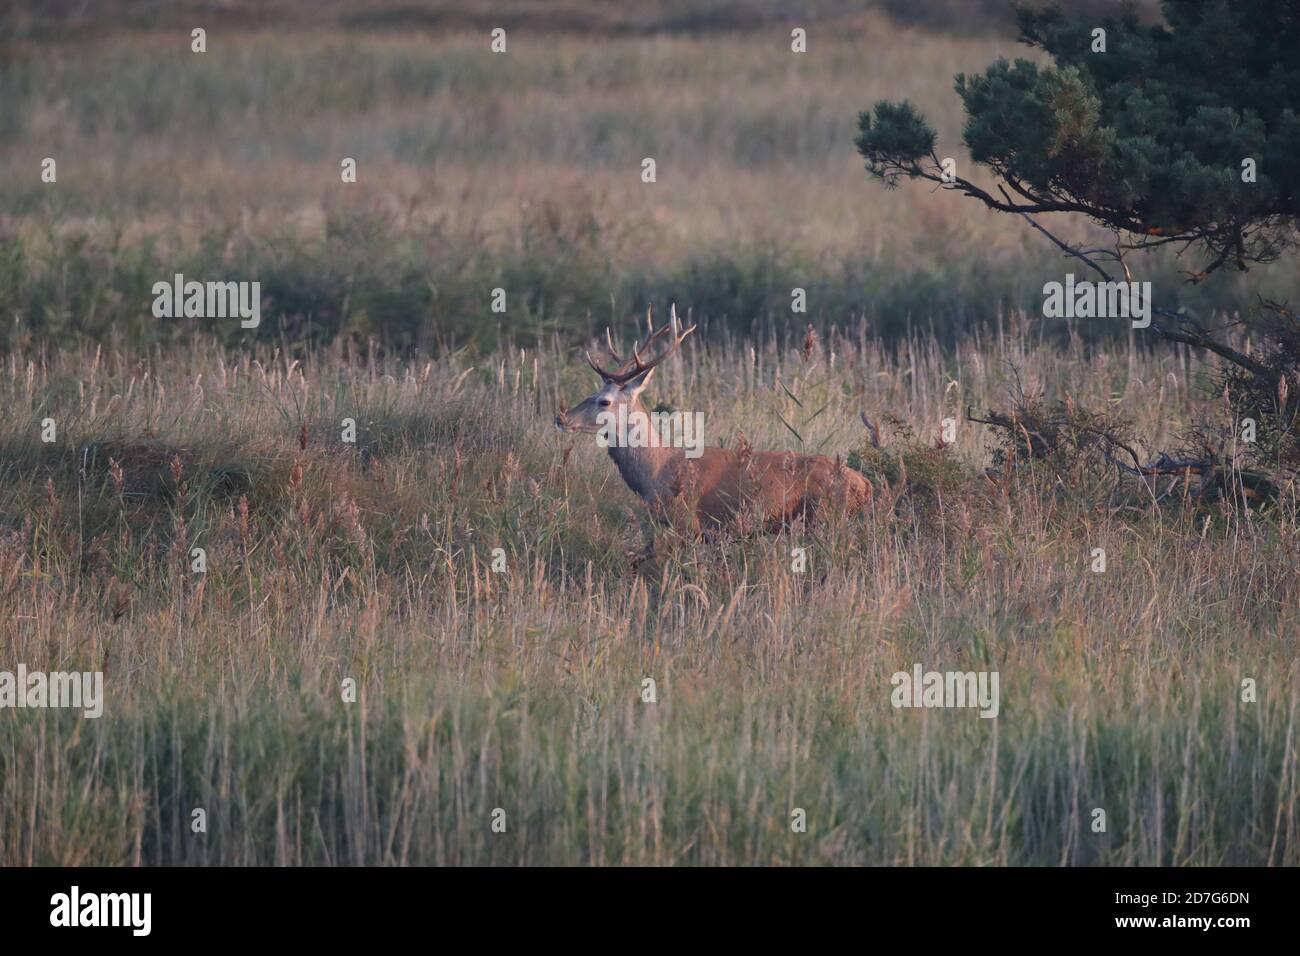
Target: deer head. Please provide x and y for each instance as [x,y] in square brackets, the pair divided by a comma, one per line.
[623,385]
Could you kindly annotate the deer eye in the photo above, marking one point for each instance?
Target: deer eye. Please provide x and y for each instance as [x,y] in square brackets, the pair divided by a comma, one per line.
[604,403]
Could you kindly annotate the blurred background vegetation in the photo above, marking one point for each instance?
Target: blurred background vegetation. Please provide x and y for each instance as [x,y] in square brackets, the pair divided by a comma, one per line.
[519,171]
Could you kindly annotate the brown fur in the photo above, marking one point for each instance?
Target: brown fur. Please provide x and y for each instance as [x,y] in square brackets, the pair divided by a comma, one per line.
[737,488]
[722,487]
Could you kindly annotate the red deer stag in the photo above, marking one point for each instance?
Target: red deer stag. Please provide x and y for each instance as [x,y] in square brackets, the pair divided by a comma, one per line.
[715,487]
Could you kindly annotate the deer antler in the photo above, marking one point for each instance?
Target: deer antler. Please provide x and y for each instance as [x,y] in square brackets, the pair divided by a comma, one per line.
[630,369]
[609,344]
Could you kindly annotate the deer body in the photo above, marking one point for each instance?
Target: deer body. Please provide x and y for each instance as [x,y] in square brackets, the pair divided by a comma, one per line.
[720,487]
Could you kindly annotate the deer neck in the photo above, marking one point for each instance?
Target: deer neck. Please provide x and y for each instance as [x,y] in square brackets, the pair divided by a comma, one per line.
[647,467]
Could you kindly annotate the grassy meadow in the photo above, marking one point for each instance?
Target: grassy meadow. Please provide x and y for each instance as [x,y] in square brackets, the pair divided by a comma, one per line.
[521,690]
[519,171]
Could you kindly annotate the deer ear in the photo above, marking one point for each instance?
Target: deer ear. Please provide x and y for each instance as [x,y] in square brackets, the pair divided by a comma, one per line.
[633,386]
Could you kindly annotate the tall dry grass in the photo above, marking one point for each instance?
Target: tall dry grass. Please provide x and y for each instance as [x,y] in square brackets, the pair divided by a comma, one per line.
[522,690]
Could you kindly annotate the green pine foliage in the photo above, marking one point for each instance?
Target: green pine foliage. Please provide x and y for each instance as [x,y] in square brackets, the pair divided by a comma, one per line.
[1148,135]
[1180,132]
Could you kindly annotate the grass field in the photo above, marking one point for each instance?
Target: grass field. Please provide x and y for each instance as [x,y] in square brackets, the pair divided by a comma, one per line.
[519,171]
[522,690]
